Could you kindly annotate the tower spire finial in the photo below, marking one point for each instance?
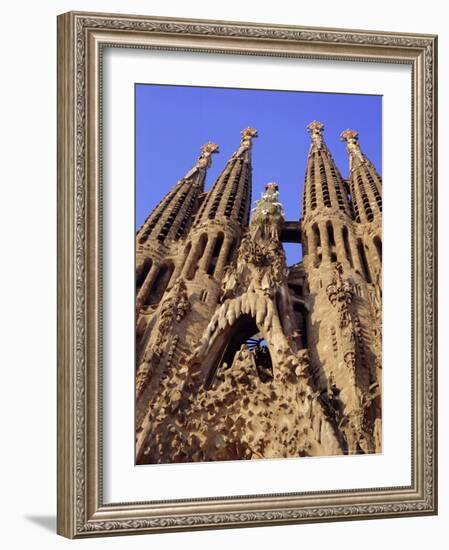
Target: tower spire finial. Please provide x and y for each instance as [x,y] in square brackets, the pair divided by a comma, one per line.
[350,135]
[247,136]
[315,129]
[365,183]
[352,146]
[204,161]
[247,140]
[207,150]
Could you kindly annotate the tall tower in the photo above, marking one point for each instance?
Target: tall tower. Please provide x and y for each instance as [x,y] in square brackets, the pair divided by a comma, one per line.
[340,341]
[246,391]
[196,245]
[326,211]
[166,225]
[240,356]
[217,229]
[365,186]
[160,297]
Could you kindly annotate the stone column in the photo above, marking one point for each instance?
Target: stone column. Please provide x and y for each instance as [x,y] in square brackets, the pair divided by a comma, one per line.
[313,238]
[176,272]
[340,247]
[325,246]
[140,266]
[309,238]
[357,198]
[189,259]
[374,260]
[180,263]
[312,246]
[146,286]
[221,262]
[355,254]
[207,254]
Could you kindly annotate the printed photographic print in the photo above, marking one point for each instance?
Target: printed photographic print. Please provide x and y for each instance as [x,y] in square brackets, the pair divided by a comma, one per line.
[258,274]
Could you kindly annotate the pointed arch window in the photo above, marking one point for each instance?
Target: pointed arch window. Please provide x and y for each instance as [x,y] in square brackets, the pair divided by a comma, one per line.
[160,284]
[378,244]
[141,274]
[345,234]
[363,261]
[197,255]
[316,234]
[300,313]
[330,233]
[231,252]
[317,241]
[187,251]
[215,254]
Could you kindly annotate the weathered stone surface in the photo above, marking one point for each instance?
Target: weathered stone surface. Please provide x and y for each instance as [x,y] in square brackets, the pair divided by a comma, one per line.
[240,356]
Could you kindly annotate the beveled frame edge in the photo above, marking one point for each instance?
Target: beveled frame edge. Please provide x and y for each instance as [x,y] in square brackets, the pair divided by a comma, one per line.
[81,511]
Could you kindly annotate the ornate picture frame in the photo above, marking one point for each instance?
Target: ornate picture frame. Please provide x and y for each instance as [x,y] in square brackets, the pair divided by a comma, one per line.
[82,40]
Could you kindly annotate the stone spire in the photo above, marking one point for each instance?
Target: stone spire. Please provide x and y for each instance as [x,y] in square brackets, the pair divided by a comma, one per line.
[239,356]
[323,188]
[246,360]
[172,216]
[365,183]
[230,197]
[327,213]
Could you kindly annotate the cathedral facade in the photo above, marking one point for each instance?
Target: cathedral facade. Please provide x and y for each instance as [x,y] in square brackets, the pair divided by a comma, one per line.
[239,356]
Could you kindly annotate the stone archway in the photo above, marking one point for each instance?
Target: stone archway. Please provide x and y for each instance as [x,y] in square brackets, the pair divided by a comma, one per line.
[242,332]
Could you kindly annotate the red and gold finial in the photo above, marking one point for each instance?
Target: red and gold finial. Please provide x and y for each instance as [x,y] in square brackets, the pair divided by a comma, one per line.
[349,135]
[249,133]
[247,136]
[353,147]
[315,130]
[209,148]
[315,127]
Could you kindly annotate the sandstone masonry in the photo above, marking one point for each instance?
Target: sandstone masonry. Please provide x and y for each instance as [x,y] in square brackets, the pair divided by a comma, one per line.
[238,355]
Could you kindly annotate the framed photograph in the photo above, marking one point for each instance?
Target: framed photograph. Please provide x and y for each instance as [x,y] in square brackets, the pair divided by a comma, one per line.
[246,274]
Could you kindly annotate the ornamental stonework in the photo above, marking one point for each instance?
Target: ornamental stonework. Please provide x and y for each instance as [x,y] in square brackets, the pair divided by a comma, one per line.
[240,356]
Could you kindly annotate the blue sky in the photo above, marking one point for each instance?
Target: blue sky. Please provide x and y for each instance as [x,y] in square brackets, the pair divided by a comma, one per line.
[172,122]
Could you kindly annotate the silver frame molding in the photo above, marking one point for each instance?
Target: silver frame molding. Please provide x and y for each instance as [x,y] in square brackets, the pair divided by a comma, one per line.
[81,39]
